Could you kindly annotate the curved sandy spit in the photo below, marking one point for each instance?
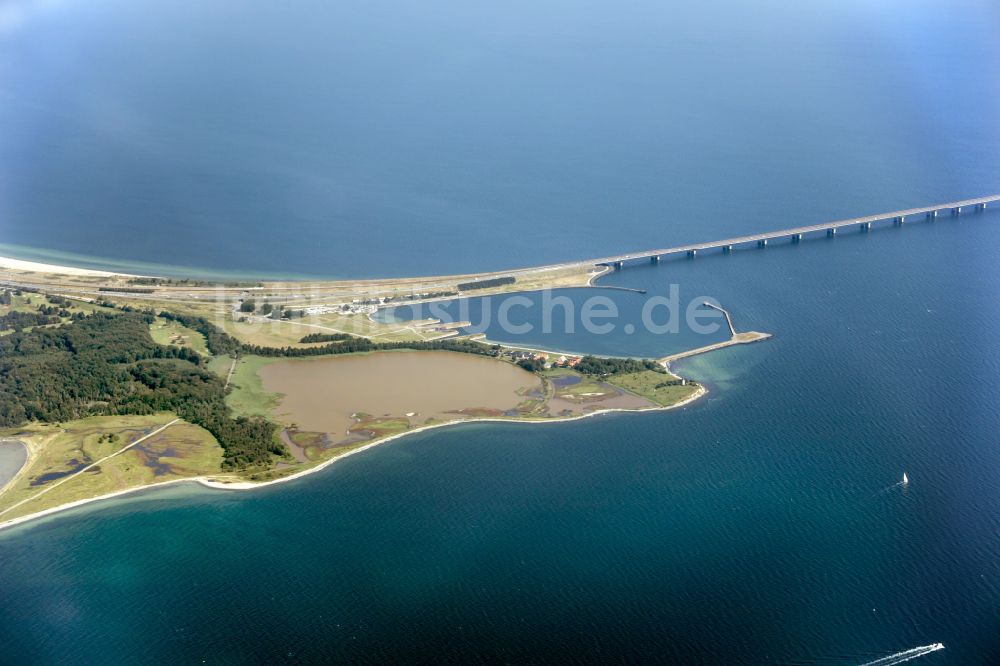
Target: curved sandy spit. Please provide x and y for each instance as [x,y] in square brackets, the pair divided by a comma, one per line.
[11,263]
[208,482]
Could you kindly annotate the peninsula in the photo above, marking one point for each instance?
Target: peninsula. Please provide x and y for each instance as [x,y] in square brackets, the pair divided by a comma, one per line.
[115,382]
[110,395]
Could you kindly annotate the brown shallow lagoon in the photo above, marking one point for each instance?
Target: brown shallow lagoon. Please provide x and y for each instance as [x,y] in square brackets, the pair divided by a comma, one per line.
[325,394]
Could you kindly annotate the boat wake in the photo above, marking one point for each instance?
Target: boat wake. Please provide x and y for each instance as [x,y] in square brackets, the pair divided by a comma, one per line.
[905,482]
[905,655]
[888,489]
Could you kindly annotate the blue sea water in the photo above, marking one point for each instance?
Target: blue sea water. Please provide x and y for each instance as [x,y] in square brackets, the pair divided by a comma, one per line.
[597,321]
[336,139]
[762,524]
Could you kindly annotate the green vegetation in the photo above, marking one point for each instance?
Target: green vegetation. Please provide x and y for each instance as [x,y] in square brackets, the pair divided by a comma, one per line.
[658,386]
[380,427]
[186,282]
[307,439]
[662,389]
[605,367]
[486,284]
[424,296]
[183,450]
[248,305]
[220,342]
[586,386]
[127,290]
[133,362]
[109,364]
[20,311]
[167,332]
[247,396]
[532,364]
[18,321]
[325,337]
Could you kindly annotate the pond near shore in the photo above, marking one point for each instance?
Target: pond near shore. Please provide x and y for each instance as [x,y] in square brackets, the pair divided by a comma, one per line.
[322,394]
[13,455]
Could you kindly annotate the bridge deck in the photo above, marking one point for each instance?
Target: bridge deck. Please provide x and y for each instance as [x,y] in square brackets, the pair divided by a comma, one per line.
[783,233]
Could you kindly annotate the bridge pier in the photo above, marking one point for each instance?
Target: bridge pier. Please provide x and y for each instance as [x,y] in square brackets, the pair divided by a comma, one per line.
[796,234]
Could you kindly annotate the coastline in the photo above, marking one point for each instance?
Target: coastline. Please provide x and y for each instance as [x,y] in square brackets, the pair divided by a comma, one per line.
[593,274]
[10,263]
[209,482]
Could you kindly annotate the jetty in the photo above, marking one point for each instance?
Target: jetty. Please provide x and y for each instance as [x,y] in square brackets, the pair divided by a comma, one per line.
[735,338]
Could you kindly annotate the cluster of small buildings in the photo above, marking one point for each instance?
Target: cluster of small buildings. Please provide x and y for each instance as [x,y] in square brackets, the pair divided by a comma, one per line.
[321,309]
[360,307]
[357,306]
[561,361]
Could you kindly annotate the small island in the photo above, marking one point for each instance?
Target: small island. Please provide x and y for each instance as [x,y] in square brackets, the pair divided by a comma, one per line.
[114,383]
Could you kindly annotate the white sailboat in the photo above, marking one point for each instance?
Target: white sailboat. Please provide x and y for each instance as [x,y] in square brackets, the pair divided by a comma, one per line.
[906,479]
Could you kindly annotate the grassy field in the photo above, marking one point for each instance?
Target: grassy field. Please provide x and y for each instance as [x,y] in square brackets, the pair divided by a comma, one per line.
[381,427]
[172,333]
[182,450]
[24,303]
[647,384]
[248,396]
[288,333]
[585,385]
[29,302]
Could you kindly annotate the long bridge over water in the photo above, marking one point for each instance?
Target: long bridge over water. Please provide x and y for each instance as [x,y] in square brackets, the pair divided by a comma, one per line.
[796,234]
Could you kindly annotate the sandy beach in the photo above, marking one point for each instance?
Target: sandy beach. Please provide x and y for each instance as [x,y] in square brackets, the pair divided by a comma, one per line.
[38,267]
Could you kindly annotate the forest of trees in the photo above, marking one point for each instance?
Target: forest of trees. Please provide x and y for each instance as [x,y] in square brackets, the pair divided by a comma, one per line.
[187,282]
[415,297]
[108,364]
[325,337]
[46,314]
[603,367]
[127,290]
[484,284]
[19,320]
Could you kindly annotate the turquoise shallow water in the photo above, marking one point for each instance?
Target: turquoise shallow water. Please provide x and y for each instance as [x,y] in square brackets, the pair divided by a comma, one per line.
[759,525]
